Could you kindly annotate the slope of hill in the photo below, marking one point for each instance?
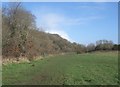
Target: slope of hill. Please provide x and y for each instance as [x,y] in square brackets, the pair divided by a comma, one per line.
[37,43]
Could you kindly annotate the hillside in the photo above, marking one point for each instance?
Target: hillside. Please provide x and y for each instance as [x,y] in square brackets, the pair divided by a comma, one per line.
[46,43]
[21,37]
[37,43]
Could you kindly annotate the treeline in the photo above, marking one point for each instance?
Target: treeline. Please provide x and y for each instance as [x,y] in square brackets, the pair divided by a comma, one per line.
[102,45]
[21,37]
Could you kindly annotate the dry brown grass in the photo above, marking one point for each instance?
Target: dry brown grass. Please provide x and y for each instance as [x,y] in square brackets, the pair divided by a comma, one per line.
[6,61]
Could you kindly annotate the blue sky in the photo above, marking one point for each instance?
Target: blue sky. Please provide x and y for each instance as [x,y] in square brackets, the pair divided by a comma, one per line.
[81,22]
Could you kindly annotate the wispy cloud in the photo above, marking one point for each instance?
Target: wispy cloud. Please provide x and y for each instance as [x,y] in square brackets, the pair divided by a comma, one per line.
[53,23]
[57,22]
[92,7]
[82,20]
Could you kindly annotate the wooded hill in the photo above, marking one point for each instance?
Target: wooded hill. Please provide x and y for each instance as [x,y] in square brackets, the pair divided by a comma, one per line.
[21,37]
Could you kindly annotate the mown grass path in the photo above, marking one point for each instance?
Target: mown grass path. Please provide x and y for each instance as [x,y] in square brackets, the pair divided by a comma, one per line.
[83,69]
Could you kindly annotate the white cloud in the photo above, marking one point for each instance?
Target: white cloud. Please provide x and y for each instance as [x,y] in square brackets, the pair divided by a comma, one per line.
[52,23]
[61,33]
[82,20]
[92,7]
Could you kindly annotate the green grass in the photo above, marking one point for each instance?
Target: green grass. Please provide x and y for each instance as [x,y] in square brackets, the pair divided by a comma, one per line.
[83,69]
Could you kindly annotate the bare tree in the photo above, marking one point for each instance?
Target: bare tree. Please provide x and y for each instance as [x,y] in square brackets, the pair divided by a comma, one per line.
[104,45]
[17,21]
[90,47]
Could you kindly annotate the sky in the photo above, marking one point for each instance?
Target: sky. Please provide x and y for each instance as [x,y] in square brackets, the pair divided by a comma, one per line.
[60,0]
[81,22]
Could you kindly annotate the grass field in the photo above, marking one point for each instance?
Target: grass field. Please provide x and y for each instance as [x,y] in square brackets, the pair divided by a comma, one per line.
[100,68]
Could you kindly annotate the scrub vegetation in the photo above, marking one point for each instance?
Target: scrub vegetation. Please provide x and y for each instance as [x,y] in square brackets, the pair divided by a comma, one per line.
[71,63]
